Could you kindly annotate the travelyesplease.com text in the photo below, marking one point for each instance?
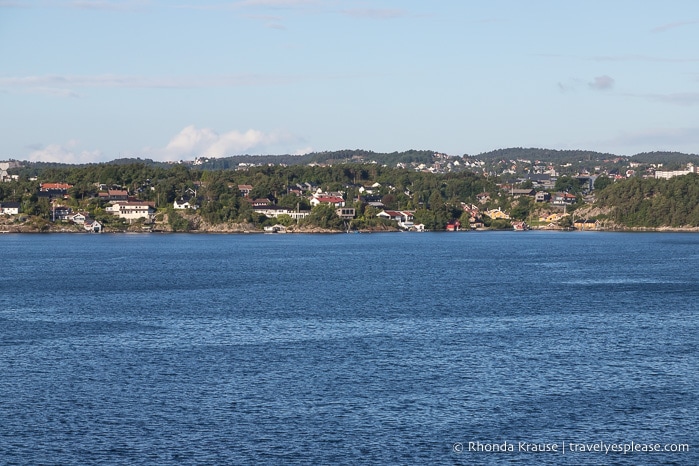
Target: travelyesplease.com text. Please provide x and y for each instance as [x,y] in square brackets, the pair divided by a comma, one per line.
[606,448]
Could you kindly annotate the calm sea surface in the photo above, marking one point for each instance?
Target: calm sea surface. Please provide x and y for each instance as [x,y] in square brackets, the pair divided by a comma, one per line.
[348,349]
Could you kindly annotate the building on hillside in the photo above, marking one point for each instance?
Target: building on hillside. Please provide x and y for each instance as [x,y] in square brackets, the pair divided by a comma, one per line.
[272,211]
[542,196]
[182,204]
[133,210]
[673,173]
[496,214]
[9,208]
[61,213]
[114,195]
[332,200]
[522,192]
[245,189]
[79,218]
[345,213]
[563,199]
[62,187]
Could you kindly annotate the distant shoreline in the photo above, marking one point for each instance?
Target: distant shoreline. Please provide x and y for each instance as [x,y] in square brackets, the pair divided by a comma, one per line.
[326,232]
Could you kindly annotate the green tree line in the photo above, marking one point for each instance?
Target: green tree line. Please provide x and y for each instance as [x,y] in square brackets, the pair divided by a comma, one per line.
[638,202]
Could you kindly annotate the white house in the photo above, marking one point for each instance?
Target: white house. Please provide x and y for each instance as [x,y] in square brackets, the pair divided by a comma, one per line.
[398,216]
[79,218]
[93,226]
[181,204]
[132,210]
[332,200]
[272,211]
[9,208]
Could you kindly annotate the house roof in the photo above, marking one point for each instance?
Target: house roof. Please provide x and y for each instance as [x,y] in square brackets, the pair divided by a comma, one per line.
[135,203]
[331,199]
[270,208]
[60,186]
[522,191]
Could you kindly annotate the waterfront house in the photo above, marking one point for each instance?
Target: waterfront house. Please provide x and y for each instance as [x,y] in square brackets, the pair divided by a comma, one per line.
[93,226]
[61,213]
[454,226]
[9,208]
[79,218]
[272,211]
[132,210]
[587,225]
[345,213]
[397,215]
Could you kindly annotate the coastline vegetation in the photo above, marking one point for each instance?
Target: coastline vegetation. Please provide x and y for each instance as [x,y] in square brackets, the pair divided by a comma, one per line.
[435,198]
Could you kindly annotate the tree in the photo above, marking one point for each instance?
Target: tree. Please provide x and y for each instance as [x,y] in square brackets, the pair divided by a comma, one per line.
[178,222]
[523,208]
[436,202]
[324,216]
[370,212]
[566,222]
[602,182]
[568,184]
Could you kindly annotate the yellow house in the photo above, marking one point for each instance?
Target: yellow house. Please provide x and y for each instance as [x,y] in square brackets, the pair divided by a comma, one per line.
[587,224]
[496,214]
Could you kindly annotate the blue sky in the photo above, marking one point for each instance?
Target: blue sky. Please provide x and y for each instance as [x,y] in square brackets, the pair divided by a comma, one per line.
[90,81]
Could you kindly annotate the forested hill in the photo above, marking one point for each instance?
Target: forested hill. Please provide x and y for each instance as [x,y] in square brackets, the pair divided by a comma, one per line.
[329,157]
[670,160]
[546,155]
[653,203]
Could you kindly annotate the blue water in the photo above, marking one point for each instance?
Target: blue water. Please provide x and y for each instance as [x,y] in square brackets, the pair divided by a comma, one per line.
[347,349]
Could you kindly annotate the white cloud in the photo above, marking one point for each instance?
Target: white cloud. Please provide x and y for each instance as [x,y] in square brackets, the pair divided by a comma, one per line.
[685,99]
[602,83]
[194,142]
[64,153]
[277,3]
[375,13]
[66,85]
[677,98]
[107,5]
[675,25]
[304,151]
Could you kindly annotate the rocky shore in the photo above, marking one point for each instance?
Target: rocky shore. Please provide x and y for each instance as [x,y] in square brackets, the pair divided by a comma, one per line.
[38,225]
